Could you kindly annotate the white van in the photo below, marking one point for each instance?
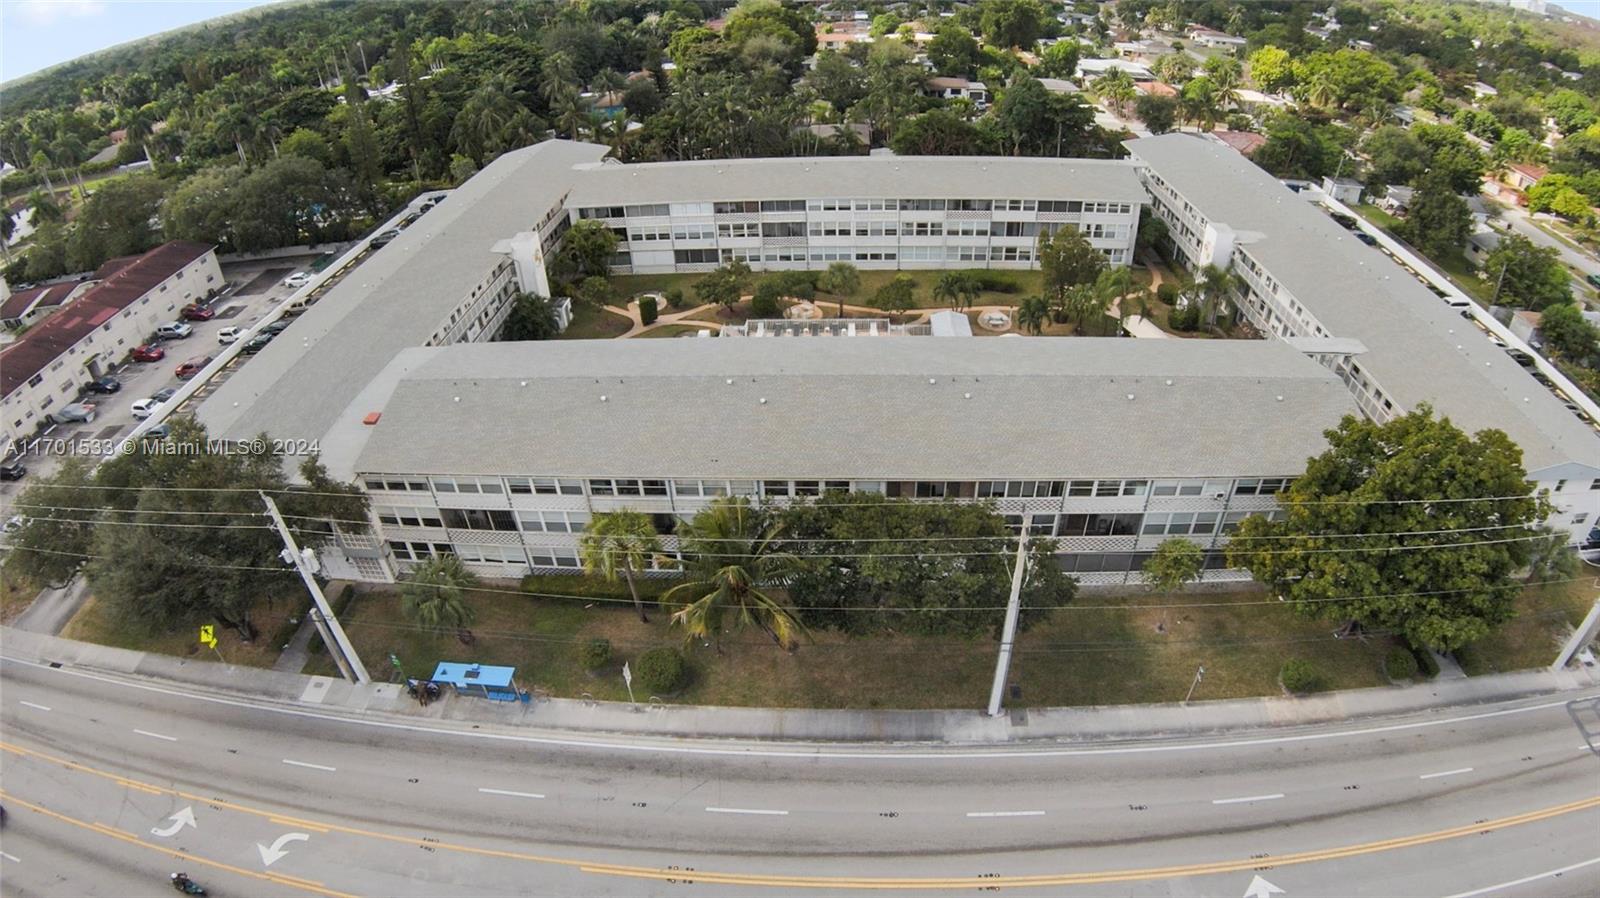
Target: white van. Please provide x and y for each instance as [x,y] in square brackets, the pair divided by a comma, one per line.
[299,305]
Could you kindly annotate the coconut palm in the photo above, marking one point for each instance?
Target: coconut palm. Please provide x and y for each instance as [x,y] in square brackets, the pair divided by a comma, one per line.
[842,280]
[1116,87]
[731,548]
[434,594]
[947,289]
[1214,284]
[621,541]
[486,122]
[1113,285]
[557,78]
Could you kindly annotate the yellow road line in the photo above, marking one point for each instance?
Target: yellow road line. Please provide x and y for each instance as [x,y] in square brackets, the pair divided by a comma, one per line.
[185,856]
[883,883]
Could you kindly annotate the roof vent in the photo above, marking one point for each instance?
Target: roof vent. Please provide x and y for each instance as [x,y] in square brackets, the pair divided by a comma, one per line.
[763,400]
[1169,381]
[455,398]
[730,381]
[1280,398]
[522,383]
[1130,397]
[602,397]
[966,395]
[371,418]
[933,380]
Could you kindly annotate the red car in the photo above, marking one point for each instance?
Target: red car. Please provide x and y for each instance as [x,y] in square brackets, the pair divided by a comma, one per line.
[196,312]
[192,367]
[147,353]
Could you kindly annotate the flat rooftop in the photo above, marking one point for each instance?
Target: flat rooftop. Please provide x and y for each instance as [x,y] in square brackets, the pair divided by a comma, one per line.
[888,177]
[395,299]
[1419,349]
[980,408]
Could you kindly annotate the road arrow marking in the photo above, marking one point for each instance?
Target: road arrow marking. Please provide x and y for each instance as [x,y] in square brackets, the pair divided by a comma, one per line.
[1260,888]
[179,820]
[276,852]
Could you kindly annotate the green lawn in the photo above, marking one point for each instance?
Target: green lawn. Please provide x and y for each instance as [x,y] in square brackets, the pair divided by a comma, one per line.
[16,594]
[590,322]
[94,624]
[674,330]
[627,286]
[1028,282]
[1545,615]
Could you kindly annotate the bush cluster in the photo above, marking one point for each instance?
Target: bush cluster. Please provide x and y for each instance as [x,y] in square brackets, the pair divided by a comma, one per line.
[1300,676]
[1400,665]
[647,310]
[661,670]
[595,653]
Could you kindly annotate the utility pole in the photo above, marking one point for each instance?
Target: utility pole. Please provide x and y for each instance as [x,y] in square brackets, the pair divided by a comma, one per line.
[1581,637]
[333,635]
[1008,635]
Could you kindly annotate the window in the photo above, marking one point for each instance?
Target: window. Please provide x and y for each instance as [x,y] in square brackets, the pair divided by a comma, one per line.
[520,486]
[742,229]
[737,208]
[921,205]
[774,487]
[1595,484]
[807,488]
[1098,525]
[783,205]
[783,229]
[492,554]
[693,232]
[478,519]
[553,521]
[1580,517]
[694,256]
[649,209]
[552,558]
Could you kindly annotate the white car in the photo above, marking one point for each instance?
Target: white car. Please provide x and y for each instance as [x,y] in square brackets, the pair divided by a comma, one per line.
[144,408]
[229,334]
[297,280]
[174,329]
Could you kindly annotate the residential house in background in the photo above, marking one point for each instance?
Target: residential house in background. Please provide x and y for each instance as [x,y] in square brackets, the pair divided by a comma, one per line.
[50,364]
[1089,70]
[1210,37]
[1345,190]
[23,308]
[947,88]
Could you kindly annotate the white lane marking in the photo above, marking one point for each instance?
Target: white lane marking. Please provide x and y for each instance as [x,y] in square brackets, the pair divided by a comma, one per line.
[747,811]
[11,857]
[1005,813]
[308,764]
[35,706]
[1431,776]
[1526,879]
[1271,797]
[156,735]
[511,793]
[820,752]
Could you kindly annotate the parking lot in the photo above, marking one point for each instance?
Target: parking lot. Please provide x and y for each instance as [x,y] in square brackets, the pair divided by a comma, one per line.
[252,290]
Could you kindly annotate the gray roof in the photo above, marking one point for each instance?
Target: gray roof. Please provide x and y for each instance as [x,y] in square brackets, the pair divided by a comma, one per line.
[852,408]
[889,177]
[1419,349]
[396,298]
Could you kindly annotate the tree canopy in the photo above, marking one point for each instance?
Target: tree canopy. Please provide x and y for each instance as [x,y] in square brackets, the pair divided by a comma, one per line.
[1409,526]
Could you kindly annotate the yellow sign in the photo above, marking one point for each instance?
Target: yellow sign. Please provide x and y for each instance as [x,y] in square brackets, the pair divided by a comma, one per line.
[208,636]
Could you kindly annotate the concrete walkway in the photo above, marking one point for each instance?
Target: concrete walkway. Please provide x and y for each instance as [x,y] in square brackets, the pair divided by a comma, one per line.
[52,608]
[971,726]
[295,655]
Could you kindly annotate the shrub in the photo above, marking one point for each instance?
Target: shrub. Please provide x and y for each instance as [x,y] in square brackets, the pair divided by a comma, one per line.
[595,654]
[1167,292]
[661,670]
[675,297]
[994,281]
[1400,665]
[647,310]
[1186,318]
[764,302]
[1301,676]
[1427,666]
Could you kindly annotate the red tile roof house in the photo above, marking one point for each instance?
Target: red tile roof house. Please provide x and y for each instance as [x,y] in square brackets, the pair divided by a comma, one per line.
[24,308]
[47,366]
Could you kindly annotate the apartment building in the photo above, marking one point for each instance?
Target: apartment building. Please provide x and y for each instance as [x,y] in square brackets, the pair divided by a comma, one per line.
[1311,284]
[874,212]
[502,453]
[48,366]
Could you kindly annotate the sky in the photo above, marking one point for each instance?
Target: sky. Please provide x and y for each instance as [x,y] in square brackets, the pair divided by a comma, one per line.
[37,34]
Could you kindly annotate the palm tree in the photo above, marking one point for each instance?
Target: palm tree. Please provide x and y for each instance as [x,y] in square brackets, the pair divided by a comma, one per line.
[1113,285]
[488,119]
[1214,284]
[557,78]
[1320,90]
[620,541]
[947,288]
[732,553]
[1033,313]
[433,594]
[1116,87]
[842,280]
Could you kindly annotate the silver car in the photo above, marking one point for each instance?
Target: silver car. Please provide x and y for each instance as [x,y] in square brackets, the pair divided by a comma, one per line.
[78,411]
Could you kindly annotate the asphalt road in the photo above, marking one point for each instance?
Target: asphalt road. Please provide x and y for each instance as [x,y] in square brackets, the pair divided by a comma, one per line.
[100,777]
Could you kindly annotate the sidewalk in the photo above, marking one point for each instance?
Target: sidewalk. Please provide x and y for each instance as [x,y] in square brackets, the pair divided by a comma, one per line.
[969,727]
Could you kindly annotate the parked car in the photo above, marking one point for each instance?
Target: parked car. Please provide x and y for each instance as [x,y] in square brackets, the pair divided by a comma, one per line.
[1366,238]
[229,334]
[77,411]
[257,343]
[384,238]
[1520,357]
[159,432]
[196,312]
[102,385]
[163,394]
[144,352]
[1593,279]
[297,280]
[276,327]
[12,471]
[175,330]
[144,408]
[192,367]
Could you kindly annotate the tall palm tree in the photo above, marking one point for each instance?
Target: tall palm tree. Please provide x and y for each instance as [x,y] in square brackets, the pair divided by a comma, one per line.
[732,554]
[947,289]
[1116,87]
[434,593]
[1113,285]
[621,541]
[486,121]
[1214,285]
[557,78]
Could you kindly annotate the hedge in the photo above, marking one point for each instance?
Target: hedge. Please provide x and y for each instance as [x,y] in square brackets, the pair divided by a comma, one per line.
[338,605]
[647,310]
